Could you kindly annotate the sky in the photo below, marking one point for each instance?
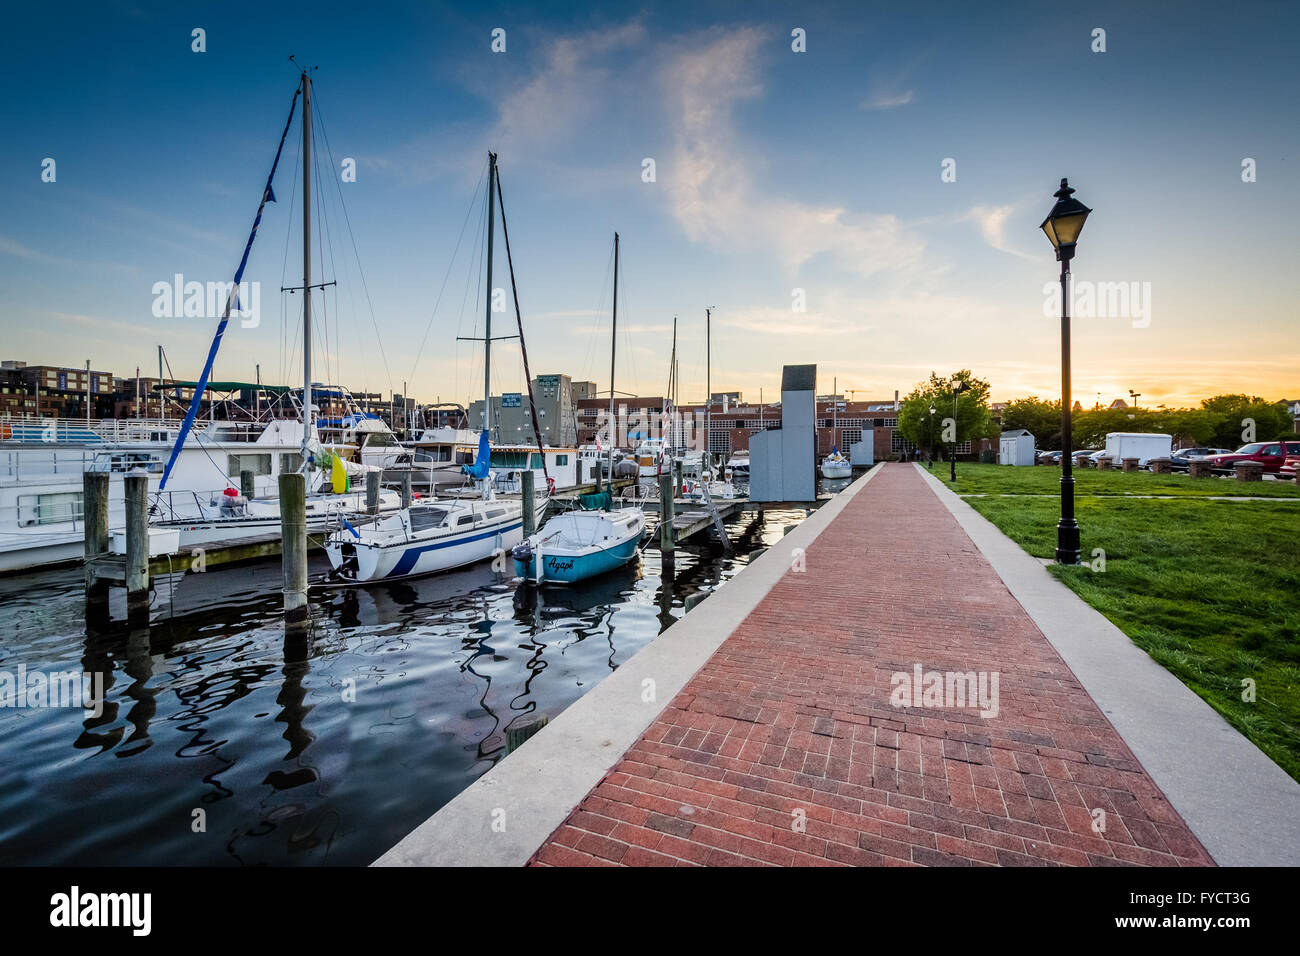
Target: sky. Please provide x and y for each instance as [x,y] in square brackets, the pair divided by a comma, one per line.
[889,178]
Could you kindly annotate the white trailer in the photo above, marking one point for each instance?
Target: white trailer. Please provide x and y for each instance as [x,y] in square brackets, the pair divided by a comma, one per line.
[1143,446]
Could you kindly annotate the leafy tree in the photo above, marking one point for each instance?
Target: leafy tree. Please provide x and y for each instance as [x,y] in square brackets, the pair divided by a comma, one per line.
[1039,418]
[1236,417]
[973,419]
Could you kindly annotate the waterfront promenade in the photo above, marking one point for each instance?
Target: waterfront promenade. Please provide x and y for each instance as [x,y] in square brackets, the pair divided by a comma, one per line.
[780,743]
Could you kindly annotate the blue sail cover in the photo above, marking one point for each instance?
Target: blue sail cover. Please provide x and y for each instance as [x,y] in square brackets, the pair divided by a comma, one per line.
[480,467]
[267,196]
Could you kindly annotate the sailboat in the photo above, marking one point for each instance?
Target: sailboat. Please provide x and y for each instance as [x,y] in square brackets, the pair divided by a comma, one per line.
[836,465]
[228,515]
[582,544]
[438,534]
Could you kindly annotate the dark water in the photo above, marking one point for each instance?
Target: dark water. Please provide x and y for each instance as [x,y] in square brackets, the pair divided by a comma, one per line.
[211,708]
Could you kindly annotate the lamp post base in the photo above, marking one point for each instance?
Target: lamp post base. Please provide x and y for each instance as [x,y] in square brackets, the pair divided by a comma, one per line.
[1067,542]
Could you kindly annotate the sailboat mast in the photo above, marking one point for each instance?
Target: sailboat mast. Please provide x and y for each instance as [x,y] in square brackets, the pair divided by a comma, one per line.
[487,334]
[672,389]
[613,342]
[708,382]
[306,265]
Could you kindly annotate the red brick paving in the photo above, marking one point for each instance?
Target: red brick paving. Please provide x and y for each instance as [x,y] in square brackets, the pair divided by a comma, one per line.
[793,714]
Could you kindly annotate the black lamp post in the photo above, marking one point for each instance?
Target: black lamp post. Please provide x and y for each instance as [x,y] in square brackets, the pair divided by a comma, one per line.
[957,389]
[929,462]
[1062,226]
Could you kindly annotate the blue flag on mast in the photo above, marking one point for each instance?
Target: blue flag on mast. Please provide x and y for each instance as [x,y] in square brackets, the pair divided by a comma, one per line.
[268,195]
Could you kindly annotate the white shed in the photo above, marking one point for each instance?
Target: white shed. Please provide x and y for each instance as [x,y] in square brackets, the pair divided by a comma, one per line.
[1016,448]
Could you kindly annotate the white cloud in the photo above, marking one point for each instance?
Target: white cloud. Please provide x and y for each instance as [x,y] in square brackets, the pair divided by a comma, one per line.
[992,221]
[715,195]
[887,101]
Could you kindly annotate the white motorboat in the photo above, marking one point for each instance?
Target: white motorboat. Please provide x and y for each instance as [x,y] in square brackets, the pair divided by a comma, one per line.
[836,465]
[738,465]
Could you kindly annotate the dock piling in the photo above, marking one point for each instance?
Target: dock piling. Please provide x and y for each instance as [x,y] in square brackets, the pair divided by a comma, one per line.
[136,485]
[666,516]
[372,492]
[293,546]
[527,478]
[95,518]
[515,736]
[406,489]
[246,484]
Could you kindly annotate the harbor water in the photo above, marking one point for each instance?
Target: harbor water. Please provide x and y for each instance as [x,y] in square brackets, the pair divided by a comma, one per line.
[222,742]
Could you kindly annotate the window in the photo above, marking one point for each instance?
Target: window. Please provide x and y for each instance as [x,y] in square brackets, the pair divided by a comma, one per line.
[49,509]
[536,460]
[257,464]
[849,437]
[495,513]
[510,459]
[465,519]
[561,459]
[290,462]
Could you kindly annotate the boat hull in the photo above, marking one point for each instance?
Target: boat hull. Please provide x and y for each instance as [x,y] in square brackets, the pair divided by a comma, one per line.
[416,558]
[834,469]
[569,568]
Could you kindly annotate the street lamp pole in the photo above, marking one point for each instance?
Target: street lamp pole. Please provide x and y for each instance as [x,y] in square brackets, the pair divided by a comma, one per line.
[957,388]
[929,458]
[1062,226]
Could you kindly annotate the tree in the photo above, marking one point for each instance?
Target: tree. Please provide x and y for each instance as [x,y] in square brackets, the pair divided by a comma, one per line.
[1238,419]
[973,421]
[1039,418]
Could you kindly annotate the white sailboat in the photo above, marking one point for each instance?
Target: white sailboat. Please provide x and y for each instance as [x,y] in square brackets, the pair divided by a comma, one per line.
[582,544]
[836,465]
[438,534]
[228,515]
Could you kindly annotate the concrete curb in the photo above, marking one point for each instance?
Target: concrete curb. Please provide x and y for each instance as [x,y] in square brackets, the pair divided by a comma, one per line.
[535,789]
[1242,806]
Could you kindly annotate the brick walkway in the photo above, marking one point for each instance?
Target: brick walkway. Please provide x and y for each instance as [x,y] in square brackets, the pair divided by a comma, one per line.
[791,720]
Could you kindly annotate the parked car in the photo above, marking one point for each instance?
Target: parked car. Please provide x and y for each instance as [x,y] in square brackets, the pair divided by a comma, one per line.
[1289,467]
[1045,457]
[1179,460]
[1096,456]
[1272,455]
[1081,456]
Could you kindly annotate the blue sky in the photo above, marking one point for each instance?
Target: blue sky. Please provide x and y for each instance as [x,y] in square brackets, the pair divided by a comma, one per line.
[775,171]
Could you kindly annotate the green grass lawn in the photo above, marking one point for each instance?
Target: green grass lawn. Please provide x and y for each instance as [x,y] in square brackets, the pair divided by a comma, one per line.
[1210,589]
[1046,480]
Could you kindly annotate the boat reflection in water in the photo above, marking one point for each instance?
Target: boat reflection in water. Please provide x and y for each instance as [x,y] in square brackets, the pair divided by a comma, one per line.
[223,742]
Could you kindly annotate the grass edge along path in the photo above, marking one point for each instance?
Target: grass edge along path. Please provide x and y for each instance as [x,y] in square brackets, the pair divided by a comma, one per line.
[1209,589]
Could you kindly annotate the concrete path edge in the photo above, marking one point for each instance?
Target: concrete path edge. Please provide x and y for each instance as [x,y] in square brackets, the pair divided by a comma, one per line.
[506,815]
[1241,805]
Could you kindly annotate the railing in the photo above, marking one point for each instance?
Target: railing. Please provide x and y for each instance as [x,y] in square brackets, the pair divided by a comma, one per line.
[94,432]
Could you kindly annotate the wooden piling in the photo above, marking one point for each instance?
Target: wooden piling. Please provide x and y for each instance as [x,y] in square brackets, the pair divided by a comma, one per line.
[666,516]
[94,507]
[406,489]
[372,492]
[246,484]
[136,487]
[526,480]
[515,736]
[293,546]
[677,479]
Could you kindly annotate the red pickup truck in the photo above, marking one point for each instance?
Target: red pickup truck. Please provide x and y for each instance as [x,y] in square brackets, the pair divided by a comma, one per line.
[1272,455]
